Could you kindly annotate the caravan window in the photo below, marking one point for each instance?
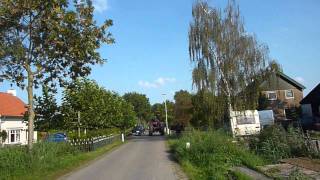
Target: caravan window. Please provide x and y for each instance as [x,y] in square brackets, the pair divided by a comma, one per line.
[245,119]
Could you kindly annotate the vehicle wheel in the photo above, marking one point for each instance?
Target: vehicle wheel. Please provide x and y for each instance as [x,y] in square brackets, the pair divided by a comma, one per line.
[162,133]
[150,133]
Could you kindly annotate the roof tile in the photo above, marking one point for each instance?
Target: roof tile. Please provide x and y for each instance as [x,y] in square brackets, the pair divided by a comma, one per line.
[11,105]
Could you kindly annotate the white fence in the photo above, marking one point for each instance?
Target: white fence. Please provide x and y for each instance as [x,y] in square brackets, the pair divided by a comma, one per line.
[91,144]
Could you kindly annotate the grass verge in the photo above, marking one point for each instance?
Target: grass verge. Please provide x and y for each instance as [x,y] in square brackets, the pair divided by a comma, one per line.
[47,161]
[211,155]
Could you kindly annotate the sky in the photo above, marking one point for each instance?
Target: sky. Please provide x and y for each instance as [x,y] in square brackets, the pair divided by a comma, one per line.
[151,56]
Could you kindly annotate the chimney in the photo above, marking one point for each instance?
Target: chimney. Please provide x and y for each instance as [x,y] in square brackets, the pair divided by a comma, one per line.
[13,92]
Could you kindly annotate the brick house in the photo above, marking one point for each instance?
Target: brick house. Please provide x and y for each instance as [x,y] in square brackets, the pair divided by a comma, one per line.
[282,95]
[311,109]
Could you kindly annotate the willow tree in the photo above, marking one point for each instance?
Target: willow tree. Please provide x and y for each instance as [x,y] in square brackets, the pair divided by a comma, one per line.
[226,58]
[46,42]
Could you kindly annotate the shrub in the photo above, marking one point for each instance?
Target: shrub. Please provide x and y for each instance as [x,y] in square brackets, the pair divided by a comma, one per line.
[92,133]
[275,143]
[212,154]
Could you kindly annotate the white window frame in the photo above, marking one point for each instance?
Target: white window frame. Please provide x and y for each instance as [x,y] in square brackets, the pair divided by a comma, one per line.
[17,136]
[269,92]
[285,93]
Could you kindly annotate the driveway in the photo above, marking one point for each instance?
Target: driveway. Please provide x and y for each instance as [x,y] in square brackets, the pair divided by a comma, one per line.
[142,158]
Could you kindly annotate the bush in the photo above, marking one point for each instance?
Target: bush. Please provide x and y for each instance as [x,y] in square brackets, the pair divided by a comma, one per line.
[275,143]
[212,154]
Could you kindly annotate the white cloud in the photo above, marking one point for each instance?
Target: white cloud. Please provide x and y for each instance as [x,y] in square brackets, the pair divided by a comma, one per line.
[156,83]
[100,5]
[147,84]
[299,79]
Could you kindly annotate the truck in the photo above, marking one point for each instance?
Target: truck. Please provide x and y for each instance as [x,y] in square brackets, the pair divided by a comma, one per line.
[156,125]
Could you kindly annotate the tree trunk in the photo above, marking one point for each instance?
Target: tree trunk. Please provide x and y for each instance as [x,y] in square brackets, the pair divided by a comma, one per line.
[228,92]
[229,114]
[31,114]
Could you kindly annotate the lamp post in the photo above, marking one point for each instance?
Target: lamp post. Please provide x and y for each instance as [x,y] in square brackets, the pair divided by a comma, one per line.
[166,110]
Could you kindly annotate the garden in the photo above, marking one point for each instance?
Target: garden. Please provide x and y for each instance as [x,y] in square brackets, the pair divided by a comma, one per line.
[214,154]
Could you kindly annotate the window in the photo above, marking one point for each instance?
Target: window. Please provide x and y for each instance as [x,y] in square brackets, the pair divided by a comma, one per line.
[14,136]
[272,95]
[245,119]
[289,94]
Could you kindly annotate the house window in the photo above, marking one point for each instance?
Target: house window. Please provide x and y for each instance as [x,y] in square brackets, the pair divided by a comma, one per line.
[14,136]
[272,95]
[289,94]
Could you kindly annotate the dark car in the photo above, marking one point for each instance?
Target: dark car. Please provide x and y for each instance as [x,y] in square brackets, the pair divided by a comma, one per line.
[57,137]
[138,130]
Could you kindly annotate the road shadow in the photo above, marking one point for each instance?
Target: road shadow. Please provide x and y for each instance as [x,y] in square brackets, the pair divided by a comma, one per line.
[171,156]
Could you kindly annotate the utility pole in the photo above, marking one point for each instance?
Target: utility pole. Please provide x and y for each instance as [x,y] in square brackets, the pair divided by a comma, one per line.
[79,124]
[166,110]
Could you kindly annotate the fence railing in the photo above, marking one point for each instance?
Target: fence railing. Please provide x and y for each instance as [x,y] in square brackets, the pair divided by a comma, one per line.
[94,143]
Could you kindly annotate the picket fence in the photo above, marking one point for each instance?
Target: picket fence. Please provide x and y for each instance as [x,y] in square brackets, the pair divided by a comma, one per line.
[91,144]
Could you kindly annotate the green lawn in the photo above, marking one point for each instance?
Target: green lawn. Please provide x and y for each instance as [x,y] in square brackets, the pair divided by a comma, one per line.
[47,161]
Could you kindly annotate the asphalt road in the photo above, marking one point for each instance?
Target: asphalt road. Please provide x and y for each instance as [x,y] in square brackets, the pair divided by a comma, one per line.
[142,158]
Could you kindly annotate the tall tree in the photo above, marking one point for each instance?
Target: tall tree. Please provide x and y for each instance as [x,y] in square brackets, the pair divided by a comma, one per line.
[127,117]
[45,42]
[47,114]
[140,104]
[207,110]
[99,108]
[183,107]
[226,58]
[159,112]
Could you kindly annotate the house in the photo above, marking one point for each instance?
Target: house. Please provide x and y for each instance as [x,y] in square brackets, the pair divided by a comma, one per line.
[311,109]
[12,110]
[282,95]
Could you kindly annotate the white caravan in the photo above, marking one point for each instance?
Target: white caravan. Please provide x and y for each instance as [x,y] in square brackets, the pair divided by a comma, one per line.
[245,123]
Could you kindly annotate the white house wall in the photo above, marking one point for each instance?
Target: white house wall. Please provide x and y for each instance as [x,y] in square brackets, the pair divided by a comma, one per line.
[9,123]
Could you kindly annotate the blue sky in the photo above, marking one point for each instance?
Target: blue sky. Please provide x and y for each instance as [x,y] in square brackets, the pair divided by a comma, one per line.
[150,55]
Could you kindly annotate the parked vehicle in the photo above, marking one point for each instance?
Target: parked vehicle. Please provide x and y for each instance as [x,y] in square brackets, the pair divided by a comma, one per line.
[156,125]
[57,137]
[138,130]
[266,118]
[245,123]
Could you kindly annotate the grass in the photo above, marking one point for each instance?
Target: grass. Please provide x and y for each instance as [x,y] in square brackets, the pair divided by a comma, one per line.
[47,161]
[211,155]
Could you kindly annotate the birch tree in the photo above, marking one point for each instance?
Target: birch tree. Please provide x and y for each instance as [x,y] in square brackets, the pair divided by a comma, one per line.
[226,58]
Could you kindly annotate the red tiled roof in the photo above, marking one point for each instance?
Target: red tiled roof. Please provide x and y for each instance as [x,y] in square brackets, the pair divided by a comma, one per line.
[11,105]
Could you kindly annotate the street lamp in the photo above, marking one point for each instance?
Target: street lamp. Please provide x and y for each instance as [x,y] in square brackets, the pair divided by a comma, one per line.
[165,107]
